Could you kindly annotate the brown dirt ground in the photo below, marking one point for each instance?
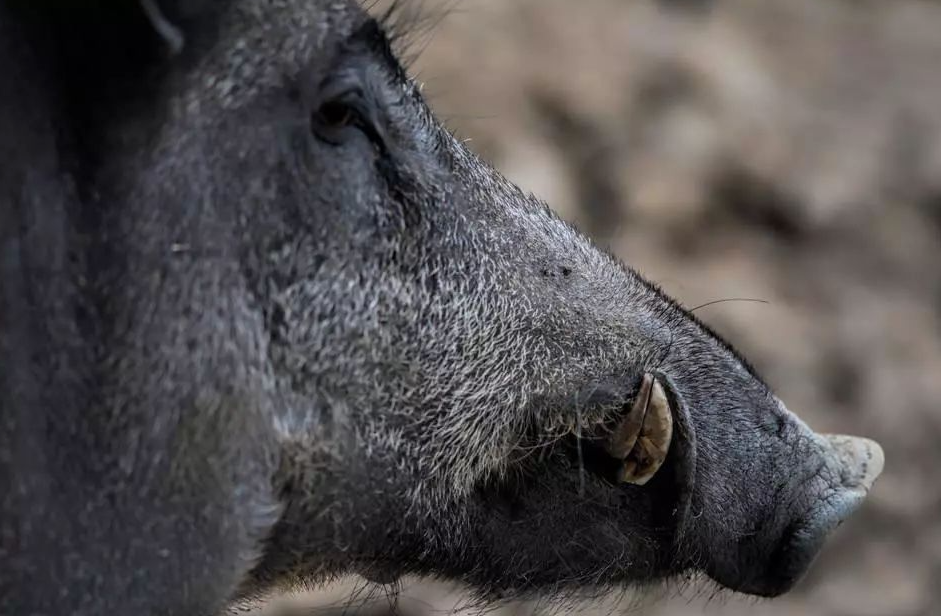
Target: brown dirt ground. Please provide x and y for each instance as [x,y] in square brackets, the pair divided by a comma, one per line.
[784,150]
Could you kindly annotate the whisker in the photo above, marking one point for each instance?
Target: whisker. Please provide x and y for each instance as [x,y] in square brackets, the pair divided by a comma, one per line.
[730,299]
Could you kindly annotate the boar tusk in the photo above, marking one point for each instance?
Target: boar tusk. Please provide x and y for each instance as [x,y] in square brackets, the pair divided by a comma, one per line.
[652,443]
[624,437]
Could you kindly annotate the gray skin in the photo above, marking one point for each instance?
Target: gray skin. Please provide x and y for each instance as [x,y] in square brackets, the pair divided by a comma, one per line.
[263,320]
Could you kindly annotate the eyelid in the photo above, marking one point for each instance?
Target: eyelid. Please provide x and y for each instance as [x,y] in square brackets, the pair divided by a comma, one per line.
[341,84]
[342,92]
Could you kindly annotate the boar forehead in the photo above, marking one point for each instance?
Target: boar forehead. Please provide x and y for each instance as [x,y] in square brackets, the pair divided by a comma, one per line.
[260,44]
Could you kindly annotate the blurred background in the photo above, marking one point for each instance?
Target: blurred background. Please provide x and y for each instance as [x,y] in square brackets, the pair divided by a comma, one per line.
[787,151]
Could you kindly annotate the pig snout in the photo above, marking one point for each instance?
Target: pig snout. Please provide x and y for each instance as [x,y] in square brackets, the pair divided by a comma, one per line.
[852,464]
[849,466]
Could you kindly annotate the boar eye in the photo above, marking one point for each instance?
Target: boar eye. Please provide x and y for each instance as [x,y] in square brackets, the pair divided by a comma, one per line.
[335,114]
[336,119]
[332,119]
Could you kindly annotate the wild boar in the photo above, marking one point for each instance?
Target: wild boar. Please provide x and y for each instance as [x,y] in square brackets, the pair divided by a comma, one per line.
[263,319]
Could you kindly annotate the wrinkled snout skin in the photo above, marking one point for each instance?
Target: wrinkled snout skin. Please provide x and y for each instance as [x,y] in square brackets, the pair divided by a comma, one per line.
[266,321]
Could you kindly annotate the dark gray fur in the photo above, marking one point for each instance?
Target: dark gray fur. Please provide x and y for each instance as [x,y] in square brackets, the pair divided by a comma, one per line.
[237,354]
